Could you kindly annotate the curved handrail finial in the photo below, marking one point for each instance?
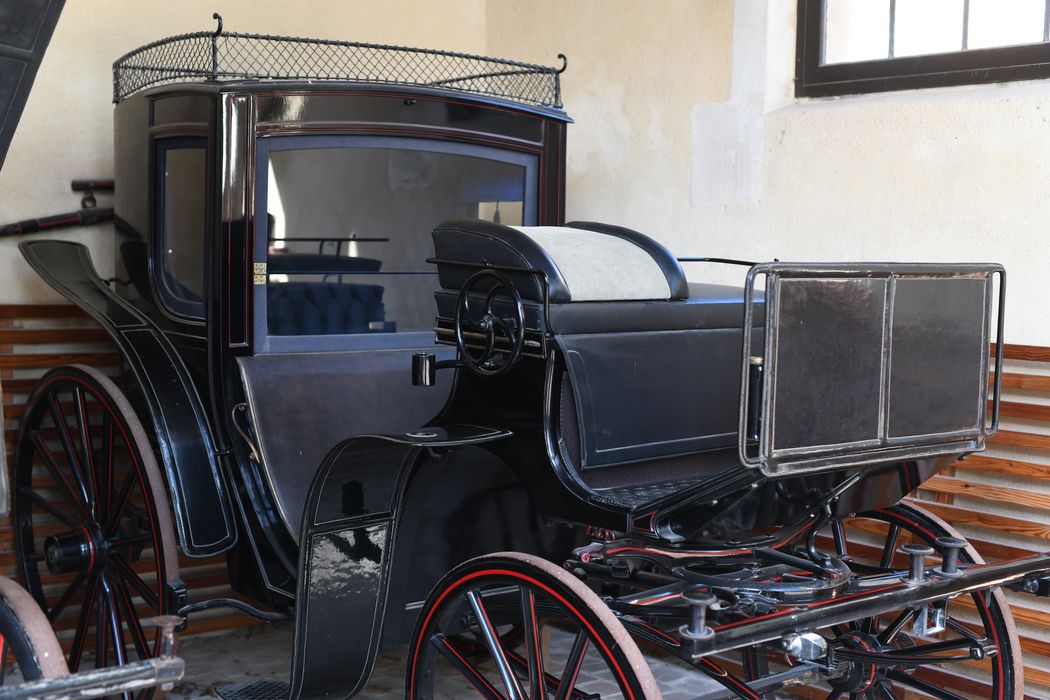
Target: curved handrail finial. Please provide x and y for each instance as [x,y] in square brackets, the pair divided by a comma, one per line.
[564,64]
[218,30]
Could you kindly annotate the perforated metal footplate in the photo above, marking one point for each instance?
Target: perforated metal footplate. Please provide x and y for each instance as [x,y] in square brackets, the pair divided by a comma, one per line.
[255,690]
[643,493]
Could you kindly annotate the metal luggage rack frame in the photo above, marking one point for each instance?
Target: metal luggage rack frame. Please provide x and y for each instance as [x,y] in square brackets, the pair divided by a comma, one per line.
[219,55]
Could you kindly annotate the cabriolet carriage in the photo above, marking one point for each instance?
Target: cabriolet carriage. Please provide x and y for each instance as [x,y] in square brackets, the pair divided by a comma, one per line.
[597,457]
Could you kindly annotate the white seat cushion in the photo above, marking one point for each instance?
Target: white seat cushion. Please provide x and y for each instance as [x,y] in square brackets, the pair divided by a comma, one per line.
[600,267]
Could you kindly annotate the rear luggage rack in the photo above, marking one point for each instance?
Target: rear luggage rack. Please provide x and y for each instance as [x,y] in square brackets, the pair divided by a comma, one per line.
[870,363]
[216,56]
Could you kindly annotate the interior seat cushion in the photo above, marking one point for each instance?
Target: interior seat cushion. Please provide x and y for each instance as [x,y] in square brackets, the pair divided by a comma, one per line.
[322,308]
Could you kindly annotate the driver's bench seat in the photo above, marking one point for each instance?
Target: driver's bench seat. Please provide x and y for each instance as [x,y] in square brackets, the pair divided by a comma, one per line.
[652,362]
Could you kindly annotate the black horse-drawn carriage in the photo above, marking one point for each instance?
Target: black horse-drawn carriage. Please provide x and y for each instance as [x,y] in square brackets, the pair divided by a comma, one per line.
[597,456]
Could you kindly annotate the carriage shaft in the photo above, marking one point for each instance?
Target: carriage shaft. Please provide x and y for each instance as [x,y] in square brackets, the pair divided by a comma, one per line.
[857,605]
[102,682]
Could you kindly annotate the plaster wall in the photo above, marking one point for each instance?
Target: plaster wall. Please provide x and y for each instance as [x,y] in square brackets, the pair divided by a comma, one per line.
[66,131]
[687,129]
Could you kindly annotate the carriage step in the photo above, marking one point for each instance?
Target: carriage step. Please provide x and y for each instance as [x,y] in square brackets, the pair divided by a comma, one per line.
[255,690]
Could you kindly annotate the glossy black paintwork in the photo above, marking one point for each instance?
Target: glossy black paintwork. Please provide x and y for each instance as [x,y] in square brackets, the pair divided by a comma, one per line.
[205,518]
[386,518]
[178,356]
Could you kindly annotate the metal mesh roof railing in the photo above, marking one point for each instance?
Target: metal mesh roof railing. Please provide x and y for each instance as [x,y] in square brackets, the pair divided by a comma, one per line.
[219,55]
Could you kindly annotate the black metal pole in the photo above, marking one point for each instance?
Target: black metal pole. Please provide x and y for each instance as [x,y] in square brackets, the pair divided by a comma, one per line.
[81,217]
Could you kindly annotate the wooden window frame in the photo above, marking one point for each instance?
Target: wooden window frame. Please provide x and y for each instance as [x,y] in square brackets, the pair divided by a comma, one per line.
[971,67]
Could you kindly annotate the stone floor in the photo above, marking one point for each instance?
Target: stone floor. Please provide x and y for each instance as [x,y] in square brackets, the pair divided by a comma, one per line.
[248,655]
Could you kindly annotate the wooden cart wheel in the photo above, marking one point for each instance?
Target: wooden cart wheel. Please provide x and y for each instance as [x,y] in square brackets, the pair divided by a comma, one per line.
[589,651]
[26,636]
[93,532]
[871,541]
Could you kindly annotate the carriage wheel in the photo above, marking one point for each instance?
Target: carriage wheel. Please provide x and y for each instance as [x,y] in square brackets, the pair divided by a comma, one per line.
[872,541]
[26,636]
[573,646]
[93,533]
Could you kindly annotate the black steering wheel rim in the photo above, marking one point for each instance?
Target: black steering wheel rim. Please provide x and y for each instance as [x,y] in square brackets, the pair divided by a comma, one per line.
[516,335]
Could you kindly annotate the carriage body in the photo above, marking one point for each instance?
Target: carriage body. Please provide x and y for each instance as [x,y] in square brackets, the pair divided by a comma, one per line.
[280,280]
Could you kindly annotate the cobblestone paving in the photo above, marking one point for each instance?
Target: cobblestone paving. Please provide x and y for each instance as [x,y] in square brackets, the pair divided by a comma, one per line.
[244,656]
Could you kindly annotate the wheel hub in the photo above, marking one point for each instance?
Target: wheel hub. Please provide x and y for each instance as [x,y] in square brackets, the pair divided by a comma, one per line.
[857,676]
[77,550]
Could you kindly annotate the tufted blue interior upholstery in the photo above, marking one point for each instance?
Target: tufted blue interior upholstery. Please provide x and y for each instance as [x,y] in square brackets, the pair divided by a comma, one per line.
[322,308]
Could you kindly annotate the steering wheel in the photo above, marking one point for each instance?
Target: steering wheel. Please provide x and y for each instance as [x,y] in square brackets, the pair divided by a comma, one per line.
[513,329]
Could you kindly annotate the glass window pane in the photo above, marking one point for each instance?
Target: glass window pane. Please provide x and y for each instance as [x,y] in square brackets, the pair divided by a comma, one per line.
[856,30]
[183,221]
[927,26]
[998,23]
[349,232]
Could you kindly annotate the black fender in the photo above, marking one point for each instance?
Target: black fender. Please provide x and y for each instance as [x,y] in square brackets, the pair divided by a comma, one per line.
[347,552]
[204,514]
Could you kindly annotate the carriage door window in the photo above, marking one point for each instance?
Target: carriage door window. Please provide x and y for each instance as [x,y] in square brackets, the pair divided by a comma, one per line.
[179,251]
[348,223]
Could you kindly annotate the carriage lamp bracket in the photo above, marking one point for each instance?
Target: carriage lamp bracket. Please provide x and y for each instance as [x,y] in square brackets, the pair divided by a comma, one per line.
[425,366]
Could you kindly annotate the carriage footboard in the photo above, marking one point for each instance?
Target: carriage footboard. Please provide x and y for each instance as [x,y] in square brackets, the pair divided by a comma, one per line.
[869,363]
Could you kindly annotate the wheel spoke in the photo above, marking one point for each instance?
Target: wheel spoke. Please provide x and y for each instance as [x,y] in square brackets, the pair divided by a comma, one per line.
[918,684]
[890,633]
[101,629]
[444,646]
[121,505]
[572,666]
[52,467]
[537,684]
[83,622]
[106,463]
[42,502]
[58,416]
[63,601]
[890,547]
[116,629]
[140,586]
[488,631]
[138,635]
[87,454]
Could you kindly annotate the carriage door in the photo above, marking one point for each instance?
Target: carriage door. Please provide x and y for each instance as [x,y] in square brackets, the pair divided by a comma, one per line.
[343,294]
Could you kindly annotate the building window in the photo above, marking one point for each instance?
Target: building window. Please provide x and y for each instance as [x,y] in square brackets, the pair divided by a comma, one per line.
[857,46]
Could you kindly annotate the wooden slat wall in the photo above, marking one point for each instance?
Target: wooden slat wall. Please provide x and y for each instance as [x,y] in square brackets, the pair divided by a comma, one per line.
[36,338]
[1000,499]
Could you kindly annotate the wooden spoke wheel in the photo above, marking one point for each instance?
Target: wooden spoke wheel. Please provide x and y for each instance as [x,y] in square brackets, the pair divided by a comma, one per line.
[571,645]
[93,532]
[871,542]
[26,637]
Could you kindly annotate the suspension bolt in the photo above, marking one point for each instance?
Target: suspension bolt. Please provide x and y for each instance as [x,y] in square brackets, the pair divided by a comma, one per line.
[699,603]
[917,554]
[949,554]
[950,547]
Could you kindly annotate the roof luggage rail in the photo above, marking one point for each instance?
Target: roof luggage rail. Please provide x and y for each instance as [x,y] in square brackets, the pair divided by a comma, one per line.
[220,55]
